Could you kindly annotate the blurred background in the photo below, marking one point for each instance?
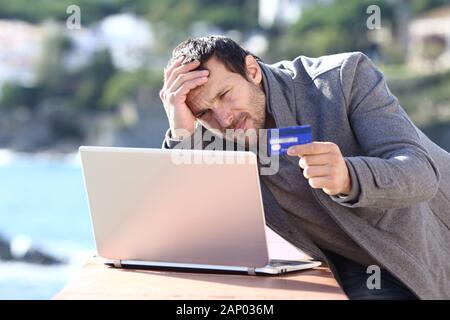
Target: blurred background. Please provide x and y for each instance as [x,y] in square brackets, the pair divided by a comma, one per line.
[66,82]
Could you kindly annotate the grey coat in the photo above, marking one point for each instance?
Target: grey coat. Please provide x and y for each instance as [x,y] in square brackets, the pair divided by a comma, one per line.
[401,215]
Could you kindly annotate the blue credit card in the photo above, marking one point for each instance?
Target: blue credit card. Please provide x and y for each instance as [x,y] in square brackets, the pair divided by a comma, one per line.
[280,139]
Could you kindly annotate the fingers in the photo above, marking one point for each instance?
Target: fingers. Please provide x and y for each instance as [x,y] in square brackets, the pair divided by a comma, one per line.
[328,185]
[169,70]
[321,183]
[324,167]
[187,86]
[178,69]
[313,160]
[312,148]
[179,80]
[317,171]
[182,78]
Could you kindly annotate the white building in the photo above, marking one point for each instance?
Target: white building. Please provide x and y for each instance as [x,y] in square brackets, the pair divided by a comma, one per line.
[282,12]
[128,38]
[431,29]
[21,47]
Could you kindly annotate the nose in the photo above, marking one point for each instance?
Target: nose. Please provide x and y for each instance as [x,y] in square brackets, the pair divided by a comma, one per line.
[224,117]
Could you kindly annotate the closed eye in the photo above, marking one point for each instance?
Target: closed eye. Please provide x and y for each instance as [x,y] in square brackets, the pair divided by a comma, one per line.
[224,94]
[202,113]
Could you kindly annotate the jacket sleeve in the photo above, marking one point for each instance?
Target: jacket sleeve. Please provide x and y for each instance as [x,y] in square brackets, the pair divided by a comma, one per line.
[195,141]
[397,170]
[169,142]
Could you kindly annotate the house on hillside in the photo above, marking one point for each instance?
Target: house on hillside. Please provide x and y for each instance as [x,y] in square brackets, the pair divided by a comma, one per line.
[20,50]
[429,45]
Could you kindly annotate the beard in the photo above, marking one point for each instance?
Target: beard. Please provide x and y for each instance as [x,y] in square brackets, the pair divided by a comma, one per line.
[256,114]
[258,102]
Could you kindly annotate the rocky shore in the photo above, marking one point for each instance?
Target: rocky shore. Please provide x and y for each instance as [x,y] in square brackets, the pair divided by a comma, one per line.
[27,254]
[61,132]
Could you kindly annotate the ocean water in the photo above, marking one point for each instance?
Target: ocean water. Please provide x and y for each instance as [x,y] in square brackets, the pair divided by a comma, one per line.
[43,201]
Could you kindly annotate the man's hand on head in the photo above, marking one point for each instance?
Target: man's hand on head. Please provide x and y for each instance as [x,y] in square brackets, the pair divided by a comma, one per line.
[324,167]
[179,80]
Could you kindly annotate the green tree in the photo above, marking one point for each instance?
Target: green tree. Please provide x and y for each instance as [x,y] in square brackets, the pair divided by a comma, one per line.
[331,28]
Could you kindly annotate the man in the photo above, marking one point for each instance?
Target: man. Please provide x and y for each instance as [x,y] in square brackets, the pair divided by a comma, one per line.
[371,190]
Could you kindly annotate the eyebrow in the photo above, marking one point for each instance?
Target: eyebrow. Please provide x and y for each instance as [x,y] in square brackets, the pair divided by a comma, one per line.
[221,92]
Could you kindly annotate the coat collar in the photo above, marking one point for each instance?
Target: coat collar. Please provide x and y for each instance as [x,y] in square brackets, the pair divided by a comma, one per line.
[280,95]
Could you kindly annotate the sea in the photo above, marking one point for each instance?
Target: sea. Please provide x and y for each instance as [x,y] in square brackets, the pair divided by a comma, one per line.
[43,205]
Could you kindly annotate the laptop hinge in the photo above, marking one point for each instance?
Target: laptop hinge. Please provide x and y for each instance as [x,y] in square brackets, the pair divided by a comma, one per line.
[117,263]
[251,271]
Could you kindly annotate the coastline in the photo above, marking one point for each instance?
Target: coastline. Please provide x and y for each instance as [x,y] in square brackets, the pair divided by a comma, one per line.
[10,157]
[43,210]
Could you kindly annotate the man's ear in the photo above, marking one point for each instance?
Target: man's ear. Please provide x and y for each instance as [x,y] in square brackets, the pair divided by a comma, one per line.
[253,69]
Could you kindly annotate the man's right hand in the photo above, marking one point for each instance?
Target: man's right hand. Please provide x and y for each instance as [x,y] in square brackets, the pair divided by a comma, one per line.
[179,80]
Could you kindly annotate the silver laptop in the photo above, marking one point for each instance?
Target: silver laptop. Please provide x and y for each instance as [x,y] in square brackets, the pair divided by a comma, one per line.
[186,209]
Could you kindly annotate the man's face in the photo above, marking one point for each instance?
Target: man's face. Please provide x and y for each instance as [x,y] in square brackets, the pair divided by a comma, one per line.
[227,100]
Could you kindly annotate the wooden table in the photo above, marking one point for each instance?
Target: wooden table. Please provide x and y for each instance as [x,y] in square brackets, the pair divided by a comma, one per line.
[97,281]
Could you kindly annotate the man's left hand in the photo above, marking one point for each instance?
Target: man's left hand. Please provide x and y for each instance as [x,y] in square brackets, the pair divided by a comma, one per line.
[324,167]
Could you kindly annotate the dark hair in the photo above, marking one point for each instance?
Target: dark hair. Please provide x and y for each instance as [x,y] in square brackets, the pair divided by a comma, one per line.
[224,49]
